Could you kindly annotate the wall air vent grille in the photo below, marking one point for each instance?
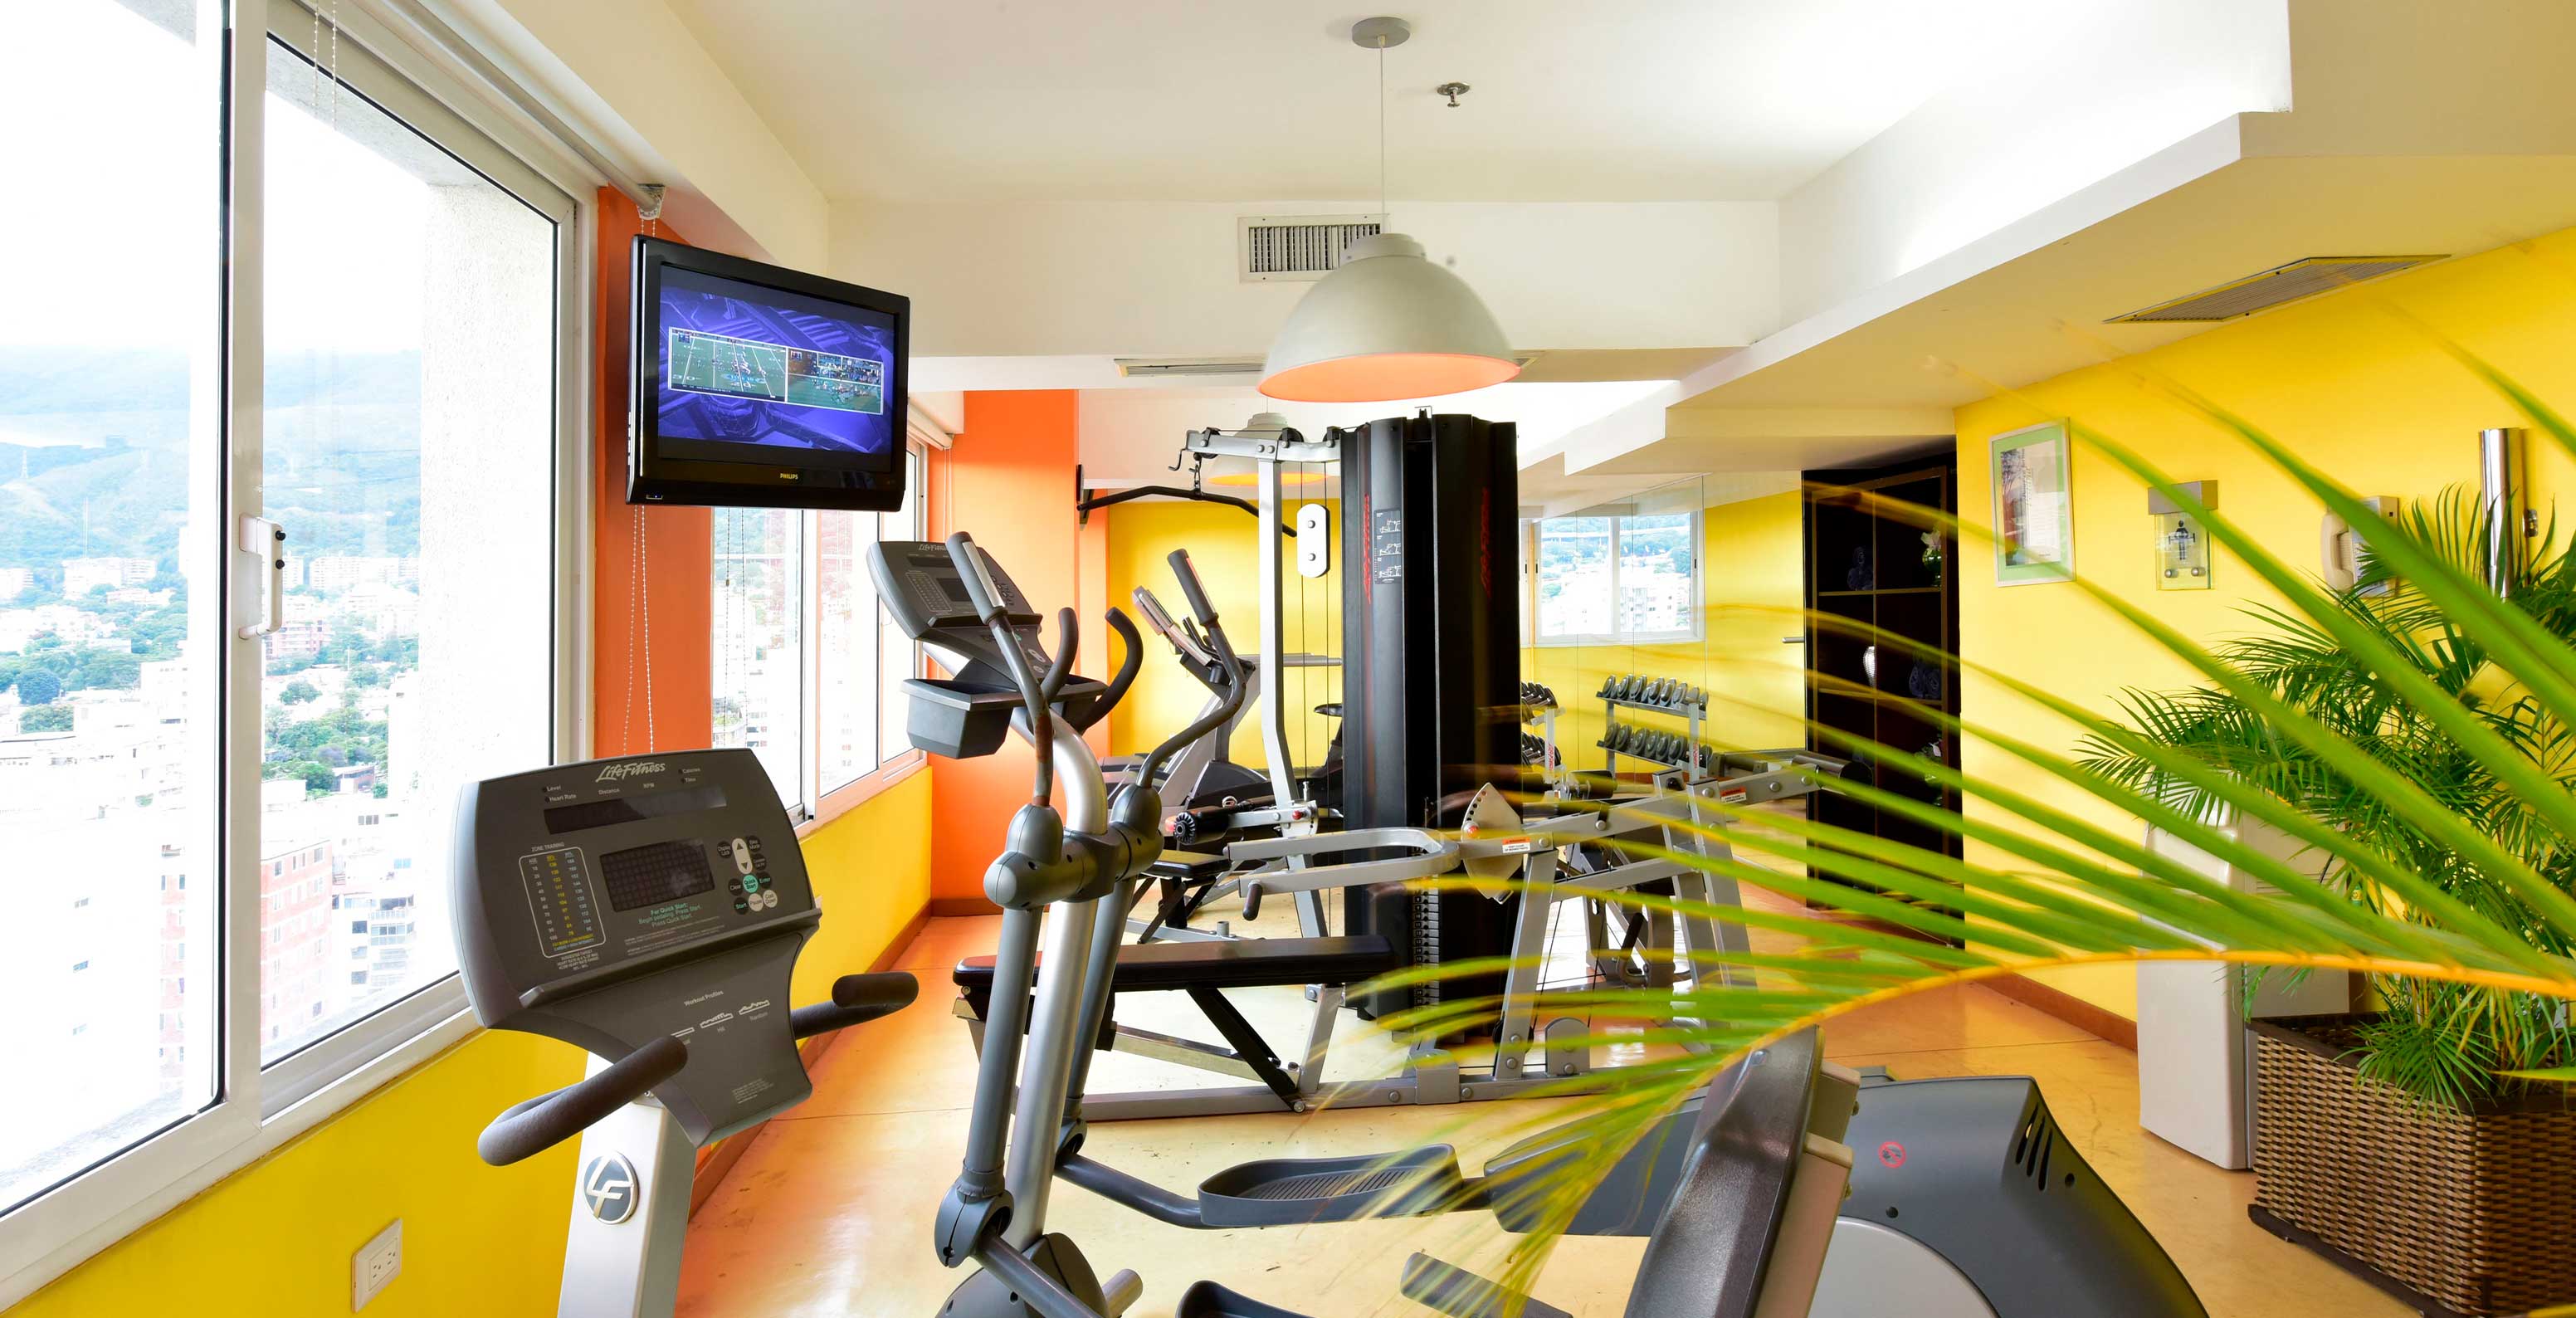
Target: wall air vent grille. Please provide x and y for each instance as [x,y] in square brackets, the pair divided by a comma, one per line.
[1280,247]
[2306,277]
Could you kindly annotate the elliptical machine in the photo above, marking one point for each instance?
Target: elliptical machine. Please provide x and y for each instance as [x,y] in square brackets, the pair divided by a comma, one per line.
[1203,775]
[1988,1213]
[648,909]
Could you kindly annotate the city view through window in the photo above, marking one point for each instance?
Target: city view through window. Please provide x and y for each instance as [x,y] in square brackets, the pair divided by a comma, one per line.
[1617,578]
[407,449]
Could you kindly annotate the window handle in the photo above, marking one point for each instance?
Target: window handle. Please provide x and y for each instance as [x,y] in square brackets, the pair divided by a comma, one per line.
[267,539]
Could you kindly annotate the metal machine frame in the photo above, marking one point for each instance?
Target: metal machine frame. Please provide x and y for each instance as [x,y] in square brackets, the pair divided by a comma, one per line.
[1531,1048]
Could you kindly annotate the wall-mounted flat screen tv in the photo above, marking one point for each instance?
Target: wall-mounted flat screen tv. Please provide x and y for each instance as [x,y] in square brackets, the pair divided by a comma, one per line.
[760,386]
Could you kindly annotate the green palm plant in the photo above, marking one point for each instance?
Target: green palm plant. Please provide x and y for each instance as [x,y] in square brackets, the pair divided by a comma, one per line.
[2398,715]
[2442,1042]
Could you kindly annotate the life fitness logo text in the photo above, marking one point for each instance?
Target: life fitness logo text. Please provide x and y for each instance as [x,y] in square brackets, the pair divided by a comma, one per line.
[631,769]
[609,1186]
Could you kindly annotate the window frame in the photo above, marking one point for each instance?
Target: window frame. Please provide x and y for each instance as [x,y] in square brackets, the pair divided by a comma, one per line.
[1534,636]
[405,69]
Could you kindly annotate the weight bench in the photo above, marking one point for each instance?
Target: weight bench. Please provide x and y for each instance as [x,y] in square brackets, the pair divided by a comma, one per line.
[1202,970]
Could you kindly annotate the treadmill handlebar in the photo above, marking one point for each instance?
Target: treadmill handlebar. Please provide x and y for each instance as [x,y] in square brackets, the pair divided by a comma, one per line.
[549,1119]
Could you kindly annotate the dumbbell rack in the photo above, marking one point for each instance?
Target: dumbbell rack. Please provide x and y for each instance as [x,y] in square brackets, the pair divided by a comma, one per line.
[1551,770]
[1691,714]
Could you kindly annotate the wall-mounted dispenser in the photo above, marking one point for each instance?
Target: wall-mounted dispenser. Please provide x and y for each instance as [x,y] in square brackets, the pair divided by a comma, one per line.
[2510,521]
[2182,543]
[2339,546]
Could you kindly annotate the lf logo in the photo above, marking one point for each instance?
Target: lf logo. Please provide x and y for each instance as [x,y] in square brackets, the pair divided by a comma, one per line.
[609,1186]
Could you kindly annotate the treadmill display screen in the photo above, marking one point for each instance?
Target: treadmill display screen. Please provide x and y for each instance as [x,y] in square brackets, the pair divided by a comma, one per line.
[564,819]
[651,875]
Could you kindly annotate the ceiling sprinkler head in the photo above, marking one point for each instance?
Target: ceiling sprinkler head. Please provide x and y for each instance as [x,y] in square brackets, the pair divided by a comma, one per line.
[1452,90]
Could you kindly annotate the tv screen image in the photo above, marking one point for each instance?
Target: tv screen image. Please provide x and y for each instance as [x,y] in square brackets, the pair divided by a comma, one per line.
[744,364]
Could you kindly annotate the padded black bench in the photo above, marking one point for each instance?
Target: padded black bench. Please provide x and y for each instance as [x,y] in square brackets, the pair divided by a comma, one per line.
[1181,880]
[1202,969]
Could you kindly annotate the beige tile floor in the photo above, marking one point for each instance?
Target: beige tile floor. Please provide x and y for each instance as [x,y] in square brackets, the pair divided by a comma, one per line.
[828,1213]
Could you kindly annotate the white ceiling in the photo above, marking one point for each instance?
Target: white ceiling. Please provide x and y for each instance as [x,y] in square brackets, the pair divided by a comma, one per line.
[1185,100]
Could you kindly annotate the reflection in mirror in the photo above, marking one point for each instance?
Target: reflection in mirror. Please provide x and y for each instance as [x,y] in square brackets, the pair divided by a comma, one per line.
[1665,622]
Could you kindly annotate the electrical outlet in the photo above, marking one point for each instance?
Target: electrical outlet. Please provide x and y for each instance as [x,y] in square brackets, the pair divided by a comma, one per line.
[375,1266]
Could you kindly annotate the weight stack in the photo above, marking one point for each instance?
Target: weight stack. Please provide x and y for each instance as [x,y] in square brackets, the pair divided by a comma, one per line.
[1430,667]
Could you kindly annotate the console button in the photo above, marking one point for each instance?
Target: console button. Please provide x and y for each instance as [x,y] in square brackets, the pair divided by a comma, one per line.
[741,904]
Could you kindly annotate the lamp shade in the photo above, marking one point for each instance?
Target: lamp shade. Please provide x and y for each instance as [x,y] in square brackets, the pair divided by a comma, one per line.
[1387,325]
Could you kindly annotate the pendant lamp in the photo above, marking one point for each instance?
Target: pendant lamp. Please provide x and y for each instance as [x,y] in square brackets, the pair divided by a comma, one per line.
[1388,324]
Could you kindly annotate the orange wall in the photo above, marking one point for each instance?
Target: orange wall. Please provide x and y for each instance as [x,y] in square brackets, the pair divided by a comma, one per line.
[678,704]
[1008,482]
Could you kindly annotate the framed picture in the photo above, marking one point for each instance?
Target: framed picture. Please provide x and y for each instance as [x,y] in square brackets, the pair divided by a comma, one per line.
[2034,505]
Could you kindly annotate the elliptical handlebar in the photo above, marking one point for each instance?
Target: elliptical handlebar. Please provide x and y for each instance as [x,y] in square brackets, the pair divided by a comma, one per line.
[1191,589]
[1128,666]
[1226,668]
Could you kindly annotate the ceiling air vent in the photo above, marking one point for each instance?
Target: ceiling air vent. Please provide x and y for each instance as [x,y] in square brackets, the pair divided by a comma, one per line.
[1275,247]
[1157,368]
[2306,277]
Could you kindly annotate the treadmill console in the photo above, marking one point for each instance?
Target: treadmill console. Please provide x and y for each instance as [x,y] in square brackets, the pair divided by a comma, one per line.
[607,902]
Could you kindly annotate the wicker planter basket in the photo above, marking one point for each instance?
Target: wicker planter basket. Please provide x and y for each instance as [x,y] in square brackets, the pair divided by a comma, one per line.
[2456,1212]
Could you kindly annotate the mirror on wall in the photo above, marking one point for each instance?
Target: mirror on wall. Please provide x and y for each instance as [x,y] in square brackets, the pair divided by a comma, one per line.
[1665,623]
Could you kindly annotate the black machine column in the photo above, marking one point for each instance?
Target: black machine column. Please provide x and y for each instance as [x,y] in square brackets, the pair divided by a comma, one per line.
[1430,663]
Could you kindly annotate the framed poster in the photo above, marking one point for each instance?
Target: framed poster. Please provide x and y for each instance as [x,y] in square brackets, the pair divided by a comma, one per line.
[2031,469]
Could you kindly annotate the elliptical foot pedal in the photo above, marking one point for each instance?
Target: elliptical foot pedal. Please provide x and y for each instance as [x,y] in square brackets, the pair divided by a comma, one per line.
[1284,1191]
[1206,1299]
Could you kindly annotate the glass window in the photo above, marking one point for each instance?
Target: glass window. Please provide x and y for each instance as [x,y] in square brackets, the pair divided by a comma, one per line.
[758,670]
[1658,586]
[1616,578]
[1575,564]
[111,562]
[844,717]
[847,618]
[899,656]
[408,452]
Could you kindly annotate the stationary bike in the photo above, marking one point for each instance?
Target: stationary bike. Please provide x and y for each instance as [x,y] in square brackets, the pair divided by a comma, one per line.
[648,909]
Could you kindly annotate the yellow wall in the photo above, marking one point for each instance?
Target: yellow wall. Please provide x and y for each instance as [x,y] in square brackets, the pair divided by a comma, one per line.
[871,872]
[1752,580]
[1221,542]
[2372,401]
[273,1240]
